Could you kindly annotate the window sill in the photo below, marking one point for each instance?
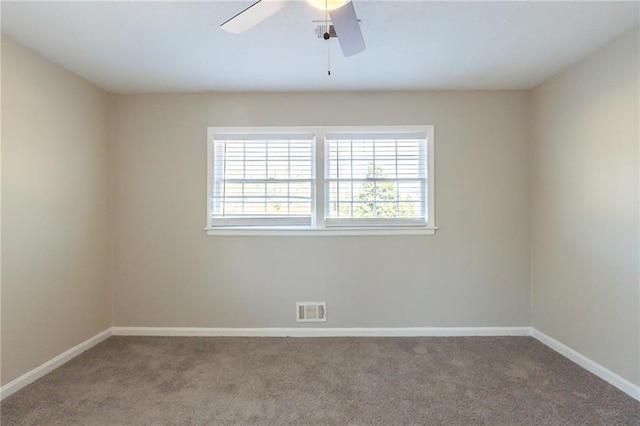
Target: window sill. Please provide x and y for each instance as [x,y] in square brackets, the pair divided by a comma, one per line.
[319,232]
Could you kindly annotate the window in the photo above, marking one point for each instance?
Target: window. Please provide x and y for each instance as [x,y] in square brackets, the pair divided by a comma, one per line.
[320,181]
[375,179]
[262,180]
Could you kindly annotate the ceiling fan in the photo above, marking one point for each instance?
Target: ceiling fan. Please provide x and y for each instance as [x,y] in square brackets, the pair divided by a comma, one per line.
[342,13]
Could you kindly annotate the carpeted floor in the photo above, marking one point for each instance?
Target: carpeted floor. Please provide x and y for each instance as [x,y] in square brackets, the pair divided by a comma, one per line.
[305,381]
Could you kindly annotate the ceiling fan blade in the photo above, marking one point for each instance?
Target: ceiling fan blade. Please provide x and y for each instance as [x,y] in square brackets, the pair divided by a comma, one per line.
[348,30]
[253,15]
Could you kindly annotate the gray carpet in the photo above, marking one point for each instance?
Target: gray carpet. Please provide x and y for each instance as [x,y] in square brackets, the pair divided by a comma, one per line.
[277,381]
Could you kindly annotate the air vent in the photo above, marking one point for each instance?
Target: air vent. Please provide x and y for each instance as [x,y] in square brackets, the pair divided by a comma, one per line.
[311,311]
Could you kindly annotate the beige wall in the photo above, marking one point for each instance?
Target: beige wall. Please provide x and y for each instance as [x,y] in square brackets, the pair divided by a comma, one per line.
[474,272]
[56,233]
[585,208]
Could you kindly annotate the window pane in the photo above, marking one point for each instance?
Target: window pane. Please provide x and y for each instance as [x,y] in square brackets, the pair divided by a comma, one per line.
[375,178]
[262,177]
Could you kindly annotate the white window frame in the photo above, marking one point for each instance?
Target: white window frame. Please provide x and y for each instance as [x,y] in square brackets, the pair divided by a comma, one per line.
[318,227]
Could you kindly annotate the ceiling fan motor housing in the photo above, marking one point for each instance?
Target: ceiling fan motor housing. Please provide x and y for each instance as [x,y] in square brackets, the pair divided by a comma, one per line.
[322,32]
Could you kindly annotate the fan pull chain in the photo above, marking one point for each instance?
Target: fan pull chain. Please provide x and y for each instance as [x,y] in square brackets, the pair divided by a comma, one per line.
[327,35]
[328,57]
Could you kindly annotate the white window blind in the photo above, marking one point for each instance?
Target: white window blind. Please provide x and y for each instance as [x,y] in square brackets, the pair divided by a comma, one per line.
[262,180]
[376,179]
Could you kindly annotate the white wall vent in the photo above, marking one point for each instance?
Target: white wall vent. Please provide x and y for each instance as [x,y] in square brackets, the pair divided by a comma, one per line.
[311,311]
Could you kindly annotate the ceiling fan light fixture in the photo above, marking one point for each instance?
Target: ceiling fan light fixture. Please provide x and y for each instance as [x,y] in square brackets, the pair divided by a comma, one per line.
[327,4]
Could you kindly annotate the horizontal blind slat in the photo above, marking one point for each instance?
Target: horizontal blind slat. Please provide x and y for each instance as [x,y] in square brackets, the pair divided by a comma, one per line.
[359,136]
[293,137]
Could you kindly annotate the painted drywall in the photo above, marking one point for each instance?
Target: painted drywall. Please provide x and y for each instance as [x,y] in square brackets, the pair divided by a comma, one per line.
[584,163]
[56,232]
[473,272]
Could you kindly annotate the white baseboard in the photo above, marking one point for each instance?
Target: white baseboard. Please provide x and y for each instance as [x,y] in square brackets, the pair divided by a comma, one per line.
[33,375]
[604,373]
[322,332]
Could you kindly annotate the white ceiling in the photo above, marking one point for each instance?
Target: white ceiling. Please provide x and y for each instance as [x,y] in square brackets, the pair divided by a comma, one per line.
[177,46]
